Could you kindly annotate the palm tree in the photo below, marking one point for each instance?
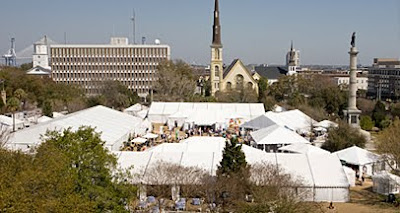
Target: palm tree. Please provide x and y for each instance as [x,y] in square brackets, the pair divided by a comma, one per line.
[13,105]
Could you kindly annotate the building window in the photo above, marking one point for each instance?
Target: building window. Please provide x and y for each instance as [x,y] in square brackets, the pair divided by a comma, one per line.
[239,81]
[216,71]
[228,85]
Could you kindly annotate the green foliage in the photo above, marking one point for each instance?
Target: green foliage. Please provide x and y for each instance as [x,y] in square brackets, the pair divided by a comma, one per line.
[176,82]
[47,109]
[26,66]
[115,95]
[233,159]
[343,137]
[366,122]
[241,95]
[70,172]
[388,144]
[262,88]
[379,114]
[13,104]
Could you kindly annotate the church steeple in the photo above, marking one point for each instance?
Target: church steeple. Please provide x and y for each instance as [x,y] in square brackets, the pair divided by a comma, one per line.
[216,27]
[217,67]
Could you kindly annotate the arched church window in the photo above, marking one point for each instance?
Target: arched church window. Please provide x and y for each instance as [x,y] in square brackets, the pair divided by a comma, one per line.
[216,71]
[228,85]
[239,81]
[249,85]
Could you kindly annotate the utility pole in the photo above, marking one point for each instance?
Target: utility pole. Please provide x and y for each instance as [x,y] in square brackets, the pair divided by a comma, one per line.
[133,19]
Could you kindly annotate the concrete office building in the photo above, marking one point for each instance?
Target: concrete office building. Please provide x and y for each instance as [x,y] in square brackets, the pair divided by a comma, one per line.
[384,79]
[88,66]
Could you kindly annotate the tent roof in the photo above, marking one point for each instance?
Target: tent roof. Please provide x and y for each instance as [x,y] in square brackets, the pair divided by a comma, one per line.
[160,111]
[293,119]
[136,108]
[259,122]
[43,119]
[276,134]
[303,149]
[357,156]
[205,153]
[326,124]
[112,124]
[8,121]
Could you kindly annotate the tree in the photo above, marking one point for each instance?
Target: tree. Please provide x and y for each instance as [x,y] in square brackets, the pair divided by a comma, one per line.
[21,95]
[262,88]
[47,109]
[175,82]
[388,144]
[366,122]
[70,171]
[13,105]
[342,137]
[233,159]
[116,95]
[379,114]
[237,95]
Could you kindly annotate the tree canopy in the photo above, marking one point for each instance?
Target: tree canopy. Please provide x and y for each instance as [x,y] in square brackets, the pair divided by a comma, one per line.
[71,171]
[343,137]
[175,82]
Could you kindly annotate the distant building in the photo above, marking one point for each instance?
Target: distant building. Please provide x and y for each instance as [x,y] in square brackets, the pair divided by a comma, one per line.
[272,73]
[384,79]
[344,81]
[40,58]
[292,60]
[88,66]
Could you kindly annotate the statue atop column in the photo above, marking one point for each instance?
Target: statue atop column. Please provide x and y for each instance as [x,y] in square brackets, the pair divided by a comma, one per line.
[353,39]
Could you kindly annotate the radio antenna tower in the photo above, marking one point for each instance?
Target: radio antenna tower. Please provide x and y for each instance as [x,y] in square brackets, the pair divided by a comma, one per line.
[133,19]
[11,56]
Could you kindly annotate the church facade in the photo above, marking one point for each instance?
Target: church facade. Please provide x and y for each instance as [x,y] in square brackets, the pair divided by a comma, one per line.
[236,75]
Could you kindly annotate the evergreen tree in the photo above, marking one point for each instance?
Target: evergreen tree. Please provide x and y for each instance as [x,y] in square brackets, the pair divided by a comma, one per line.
[233,159]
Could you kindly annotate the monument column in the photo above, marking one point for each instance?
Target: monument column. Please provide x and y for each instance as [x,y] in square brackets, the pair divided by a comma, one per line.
[352,113]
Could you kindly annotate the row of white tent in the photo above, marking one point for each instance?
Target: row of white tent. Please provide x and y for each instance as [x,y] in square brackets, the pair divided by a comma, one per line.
[203,114]
[322,175]
[115,127]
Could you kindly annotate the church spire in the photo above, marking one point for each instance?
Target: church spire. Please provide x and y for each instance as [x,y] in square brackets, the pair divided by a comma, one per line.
[291,46]
[216,27]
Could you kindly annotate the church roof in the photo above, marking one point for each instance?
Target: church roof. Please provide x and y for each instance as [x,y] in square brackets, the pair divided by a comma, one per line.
[271,72]
[38,70]
[230,67]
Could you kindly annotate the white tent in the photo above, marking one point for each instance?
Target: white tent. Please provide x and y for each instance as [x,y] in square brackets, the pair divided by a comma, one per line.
[43,119]
[303,148]
[351,175]
[293,119]
[326,124]
[277,135]
[135,109]
[386,183]
[322,176]
[179,117]
[139,140]
[115,127]
[8,122]
[160,111]
[58,114]
[150,135]
[360,157]
[258,123]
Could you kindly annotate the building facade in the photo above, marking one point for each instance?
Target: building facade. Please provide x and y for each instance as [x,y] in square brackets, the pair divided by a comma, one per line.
[135,66]
[384,79]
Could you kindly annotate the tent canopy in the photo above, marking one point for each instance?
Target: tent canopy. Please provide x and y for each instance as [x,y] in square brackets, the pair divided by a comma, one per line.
[115,127]
[150,135]
[277,135]
[139,140]
[296,120]
[258,123]
[160,111]
[316,172]
[326,124]
[303,148]
[357,156]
